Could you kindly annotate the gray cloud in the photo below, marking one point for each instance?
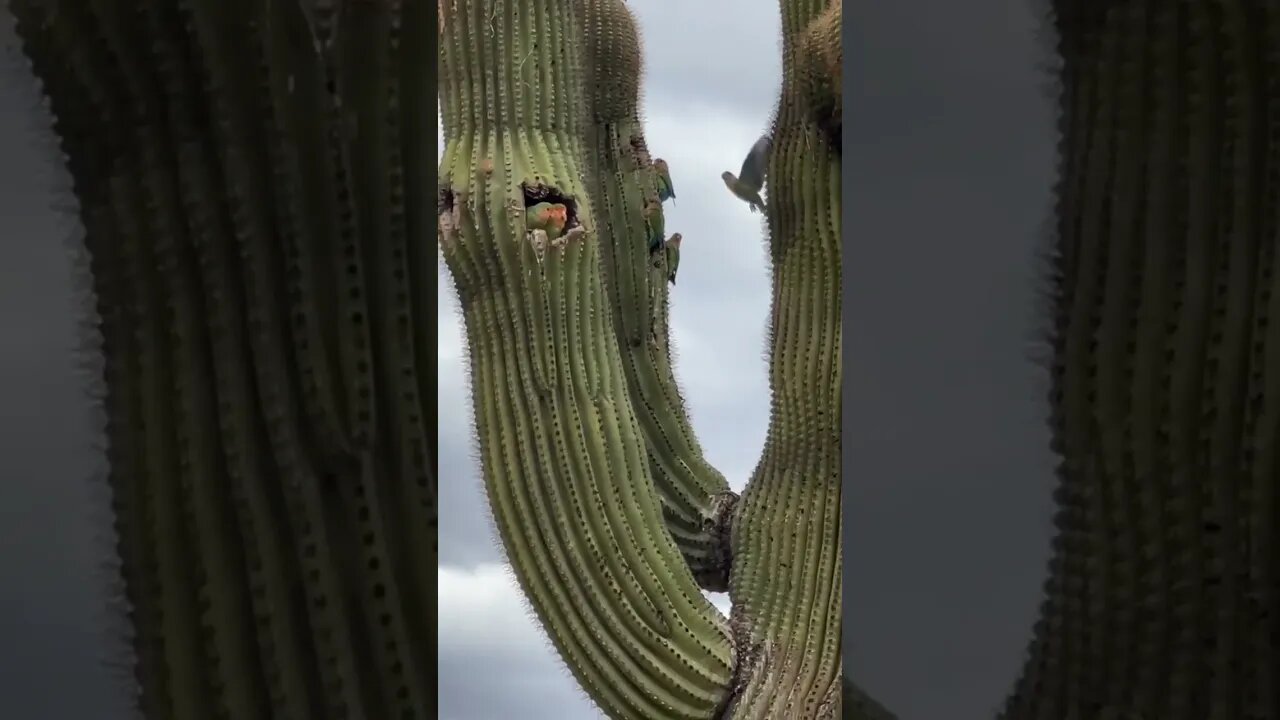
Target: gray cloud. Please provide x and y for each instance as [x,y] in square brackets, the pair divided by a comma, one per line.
[54,566]
[716,57]
[947,507]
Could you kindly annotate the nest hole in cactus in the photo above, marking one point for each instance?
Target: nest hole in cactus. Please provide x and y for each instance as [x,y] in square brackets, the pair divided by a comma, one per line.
[538,193]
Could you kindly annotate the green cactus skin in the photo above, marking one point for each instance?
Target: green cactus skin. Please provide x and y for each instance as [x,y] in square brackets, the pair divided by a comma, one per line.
[260,274]
[696,499]
[602,499]
[1163,586]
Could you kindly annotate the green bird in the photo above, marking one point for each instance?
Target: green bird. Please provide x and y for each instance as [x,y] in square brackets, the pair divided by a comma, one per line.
[547,217]
[751,178]
[673,256]
[665,189]
[655,224]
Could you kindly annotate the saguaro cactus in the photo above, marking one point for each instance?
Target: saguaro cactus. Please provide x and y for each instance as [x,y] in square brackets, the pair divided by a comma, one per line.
[609,514]
[1162,595]
[253,179]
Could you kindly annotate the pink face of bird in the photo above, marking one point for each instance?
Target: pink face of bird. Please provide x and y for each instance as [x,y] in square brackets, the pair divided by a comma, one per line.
[675,239]
[558,215]
[728,177]
[660,164]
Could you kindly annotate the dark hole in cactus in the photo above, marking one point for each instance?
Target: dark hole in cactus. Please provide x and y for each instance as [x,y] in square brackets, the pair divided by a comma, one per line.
[539,193]
[444,203]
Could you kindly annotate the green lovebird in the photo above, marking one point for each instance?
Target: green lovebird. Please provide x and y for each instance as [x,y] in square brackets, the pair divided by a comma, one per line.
[751,178]
[673,256]
[656,225]
[666,190]
[548,217]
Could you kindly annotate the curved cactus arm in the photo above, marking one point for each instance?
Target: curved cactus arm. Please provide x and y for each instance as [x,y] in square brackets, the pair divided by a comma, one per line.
[272,486]
[563,456]
[697,502]
[786,581]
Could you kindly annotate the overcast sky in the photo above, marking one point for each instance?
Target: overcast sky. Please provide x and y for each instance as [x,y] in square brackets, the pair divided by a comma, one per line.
[947,494]
[712,70]
[950,145]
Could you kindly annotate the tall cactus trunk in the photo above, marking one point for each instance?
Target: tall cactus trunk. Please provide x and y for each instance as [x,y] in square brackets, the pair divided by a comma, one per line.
[260,258]
[786,580]
[1163,586]
[610,516]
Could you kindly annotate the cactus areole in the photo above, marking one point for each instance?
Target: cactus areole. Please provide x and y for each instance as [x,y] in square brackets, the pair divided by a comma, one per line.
[610,516]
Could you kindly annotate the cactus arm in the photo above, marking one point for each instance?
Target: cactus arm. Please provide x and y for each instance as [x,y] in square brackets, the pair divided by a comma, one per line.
[696,499]
[563,456]
[258,549]
[786,580]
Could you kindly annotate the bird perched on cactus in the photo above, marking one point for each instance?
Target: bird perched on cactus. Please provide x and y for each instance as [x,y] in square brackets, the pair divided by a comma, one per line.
[666,190]
[672,248]
[656,225]
[751,178]
[548,217]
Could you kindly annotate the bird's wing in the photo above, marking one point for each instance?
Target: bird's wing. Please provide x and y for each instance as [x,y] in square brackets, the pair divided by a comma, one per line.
[754,165]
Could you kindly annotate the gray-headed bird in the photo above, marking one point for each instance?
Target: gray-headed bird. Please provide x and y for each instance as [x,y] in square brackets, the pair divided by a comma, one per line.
[548,217]
[751,178]
[666,190]
[673,256]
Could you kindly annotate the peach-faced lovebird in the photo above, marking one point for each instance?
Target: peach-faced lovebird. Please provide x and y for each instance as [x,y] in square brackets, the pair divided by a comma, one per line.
[655,224]
[666,190]
[548,217]
[673,256]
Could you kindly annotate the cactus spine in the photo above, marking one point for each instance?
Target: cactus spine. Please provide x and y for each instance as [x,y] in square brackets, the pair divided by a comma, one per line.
[609,514]
[1163,586]
[259,274]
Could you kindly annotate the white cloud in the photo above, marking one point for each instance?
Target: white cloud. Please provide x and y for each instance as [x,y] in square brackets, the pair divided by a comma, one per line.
[493,659]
